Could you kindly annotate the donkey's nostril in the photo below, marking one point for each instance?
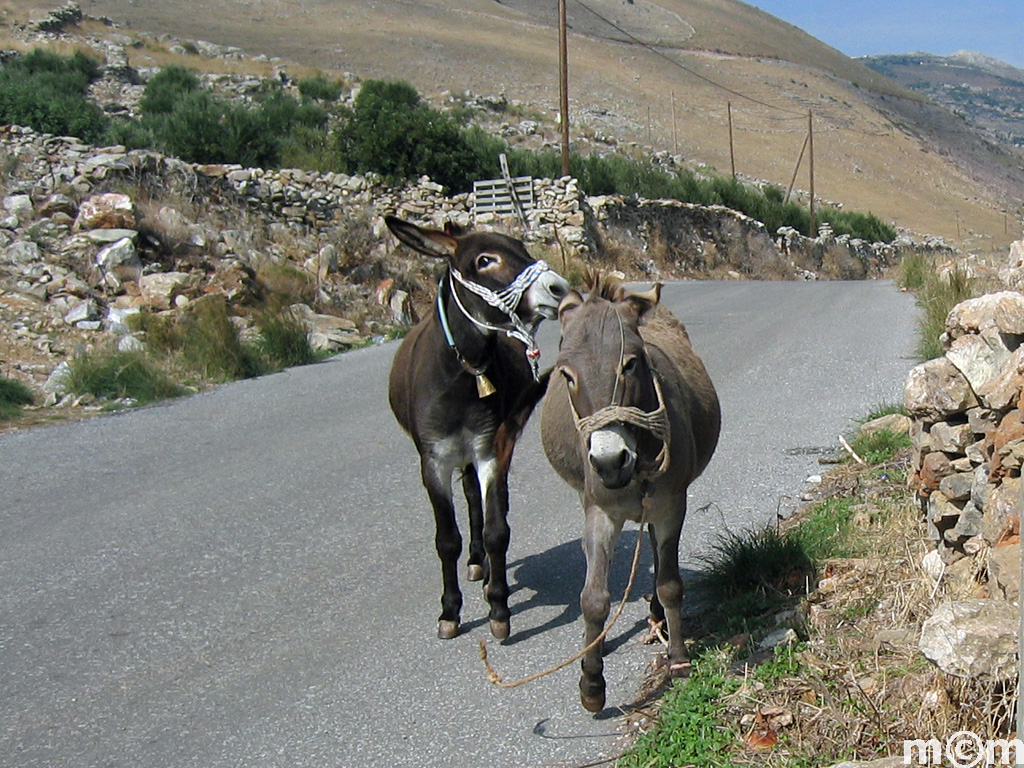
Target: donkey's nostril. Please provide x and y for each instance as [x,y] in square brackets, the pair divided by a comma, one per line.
[559,289]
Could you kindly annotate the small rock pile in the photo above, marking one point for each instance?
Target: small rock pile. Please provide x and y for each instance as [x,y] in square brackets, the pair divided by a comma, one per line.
[968,436]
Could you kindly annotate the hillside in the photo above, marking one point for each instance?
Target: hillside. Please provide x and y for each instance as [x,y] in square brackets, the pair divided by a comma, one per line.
[987,92]
[878,146]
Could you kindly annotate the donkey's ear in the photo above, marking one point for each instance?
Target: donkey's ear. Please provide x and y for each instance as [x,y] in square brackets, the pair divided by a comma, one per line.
[642,303]
[432,242]
[569,304]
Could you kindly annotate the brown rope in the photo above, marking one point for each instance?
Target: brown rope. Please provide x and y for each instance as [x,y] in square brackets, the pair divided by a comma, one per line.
[494,677]
[656,422]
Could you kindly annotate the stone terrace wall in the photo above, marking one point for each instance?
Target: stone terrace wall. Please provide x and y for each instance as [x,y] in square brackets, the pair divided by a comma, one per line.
[698,236]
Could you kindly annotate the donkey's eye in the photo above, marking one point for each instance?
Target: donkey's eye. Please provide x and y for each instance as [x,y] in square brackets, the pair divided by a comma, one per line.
[487,261]
[570,378]
[629,366]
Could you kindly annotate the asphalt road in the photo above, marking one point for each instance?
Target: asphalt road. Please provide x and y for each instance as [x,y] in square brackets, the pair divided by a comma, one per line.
[247,577]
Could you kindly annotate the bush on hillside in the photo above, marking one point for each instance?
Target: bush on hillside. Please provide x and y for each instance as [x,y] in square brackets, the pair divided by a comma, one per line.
[166,88]
[390,131]
[47,93]
[319,88]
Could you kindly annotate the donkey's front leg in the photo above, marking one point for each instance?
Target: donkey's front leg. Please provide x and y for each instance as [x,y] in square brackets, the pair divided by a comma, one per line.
[474,501]
[669,590]
[494,484]
[599,536]
[448,541]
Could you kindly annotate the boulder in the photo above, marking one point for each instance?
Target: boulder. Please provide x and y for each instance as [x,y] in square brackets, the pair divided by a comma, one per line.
[107,211]
[1004,570]
[1003,391]
[979,357]
[973,639]
[1002,312]
[23,252]
[893,422]
[159,290]
[120,255]
[951,438]
[936,390]
[19,205]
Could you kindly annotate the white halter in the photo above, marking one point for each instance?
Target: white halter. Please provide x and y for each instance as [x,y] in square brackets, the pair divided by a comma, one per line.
[506,300]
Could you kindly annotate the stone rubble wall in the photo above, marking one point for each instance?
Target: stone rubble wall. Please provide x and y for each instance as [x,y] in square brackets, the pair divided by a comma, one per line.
[968,436]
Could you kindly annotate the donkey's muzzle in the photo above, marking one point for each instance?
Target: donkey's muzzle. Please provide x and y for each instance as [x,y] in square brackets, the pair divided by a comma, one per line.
[613,457]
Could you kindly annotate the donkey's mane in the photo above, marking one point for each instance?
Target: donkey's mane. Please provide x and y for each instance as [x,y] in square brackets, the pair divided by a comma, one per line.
[602,285]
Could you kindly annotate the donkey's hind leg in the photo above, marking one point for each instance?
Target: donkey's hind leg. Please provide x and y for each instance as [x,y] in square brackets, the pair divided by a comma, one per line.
[474,500]
[656,619]
[669,589]
[448,542]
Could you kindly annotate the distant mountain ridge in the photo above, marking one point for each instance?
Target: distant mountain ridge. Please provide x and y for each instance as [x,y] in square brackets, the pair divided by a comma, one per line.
[987,92]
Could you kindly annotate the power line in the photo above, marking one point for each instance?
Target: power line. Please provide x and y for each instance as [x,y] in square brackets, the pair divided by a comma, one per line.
[698,75]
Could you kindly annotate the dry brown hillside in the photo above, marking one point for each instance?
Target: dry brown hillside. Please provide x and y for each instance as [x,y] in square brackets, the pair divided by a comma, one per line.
[878,147]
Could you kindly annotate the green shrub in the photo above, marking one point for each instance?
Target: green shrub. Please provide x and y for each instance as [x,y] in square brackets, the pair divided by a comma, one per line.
[389,131]
[766,561]
[113,375]
[47,92]
[320,88]
[166,88]
[13,395]
[914,270]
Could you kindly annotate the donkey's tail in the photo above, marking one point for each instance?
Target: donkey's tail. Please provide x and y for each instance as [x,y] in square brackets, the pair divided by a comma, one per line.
[512,427]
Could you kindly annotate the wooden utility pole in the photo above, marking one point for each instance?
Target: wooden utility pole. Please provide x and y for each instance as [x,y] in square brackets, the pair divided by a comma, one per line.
[810,147]
[732,151]
[563,85]
[675,135]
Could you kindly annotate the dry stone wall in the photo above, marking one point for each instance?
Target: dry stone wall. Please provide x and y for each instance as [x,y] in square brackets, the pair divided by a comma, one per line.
[968,435]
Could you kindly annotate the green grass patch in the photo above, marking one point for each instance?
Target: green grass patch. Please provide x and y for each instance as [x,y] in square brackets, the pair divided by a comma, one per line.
[880,446]
[689,731]
[284,340]
[885,409]
[114,375]
[936,295]
[825,532]
[13,395]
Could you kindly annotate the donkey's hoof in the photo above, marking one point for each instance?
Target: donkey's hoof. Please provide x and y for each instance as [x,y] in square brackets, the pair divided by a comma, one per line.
[592,695]
[500,629]
[446,630]
[475,572]
[679,669]
[592,702]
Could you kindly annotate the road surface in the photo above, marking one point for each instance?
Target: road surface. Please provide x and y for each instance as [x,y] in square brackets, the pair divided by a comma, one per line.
[247,577]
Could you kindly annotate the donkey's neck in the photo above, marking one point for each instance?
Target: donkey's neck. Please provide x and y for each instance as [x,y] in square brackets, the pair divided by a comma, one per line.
[473,344]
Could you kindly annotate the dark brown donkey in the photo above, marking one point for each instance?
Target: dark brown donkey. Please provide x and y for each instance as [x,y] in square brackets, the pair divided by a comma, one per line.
[630,419]
[463,375]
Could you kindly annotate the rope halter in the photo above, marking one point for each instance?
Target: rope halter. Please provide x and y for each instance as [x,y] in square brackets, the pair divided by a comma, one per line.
[656,422]
[507,301]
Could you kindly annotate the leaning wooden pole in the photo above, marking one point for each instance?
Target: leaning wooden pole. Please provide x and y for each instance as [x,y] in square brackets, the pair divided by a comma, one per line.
[796,170]
[563,85]
[810,148]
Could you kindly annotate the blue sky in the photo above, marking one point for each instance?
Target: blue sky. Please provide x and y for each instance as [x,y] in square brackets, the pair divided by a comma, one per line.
[869,27]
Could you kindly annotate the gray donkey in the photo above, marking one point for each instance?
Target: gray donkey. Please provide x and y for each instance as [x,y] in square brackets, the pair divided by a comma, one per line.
[630,419]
